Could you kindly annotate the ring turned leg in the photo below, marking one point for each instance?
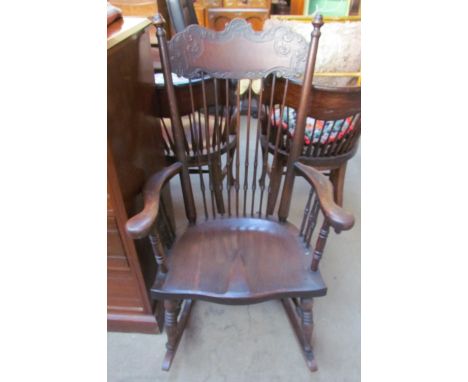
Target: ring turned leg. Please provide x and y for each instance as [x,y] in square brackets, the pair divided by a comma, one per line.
[174,327]
[307,323]
[170,321]
[300,317]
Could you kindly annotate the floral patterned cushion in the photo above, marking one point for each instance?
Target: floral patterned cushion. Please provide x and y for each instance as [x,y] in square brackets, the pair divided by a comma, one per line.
[316,130]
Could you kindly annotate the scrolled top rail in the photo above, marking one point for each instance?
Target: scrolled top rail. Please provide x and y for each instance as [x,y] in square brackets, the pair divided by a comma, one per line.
[250,54]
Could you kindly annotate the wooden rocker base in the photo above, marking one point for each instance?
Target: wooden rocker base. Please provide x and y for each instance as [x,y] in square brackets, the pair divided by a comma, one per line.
[181,323]
[295,320]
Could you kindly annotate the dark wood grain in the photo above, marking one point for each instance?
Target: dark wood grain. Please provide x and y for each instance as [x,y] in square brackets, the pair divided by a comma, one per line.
[277,50]
[239,261]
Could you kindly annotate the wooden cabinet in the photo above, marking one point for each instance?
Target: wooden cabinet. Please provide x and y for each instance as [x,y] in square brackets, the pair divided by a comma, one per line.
[217,18]
[235,3]
[217,13]
[134,153]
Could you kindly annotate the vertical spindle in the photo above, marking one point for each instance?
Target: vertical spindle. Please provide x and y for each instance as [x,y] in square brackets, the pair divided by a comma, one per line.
[320,245]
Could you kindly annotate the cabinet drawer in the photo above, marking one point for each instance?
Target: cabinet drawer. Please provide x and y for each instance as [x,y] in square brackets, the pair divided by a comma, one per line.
[123,293]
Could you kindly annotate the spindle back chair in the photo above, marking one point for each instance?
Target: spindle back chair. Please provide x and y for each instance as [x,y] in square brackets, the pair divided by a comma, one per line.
[237,253]
[198,131]
[207,136]
[332,131]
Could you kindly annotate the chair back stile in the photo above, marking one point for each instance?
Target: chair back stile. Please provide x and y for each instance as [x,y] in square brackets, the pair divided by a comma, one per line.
[298,142]
[176,121]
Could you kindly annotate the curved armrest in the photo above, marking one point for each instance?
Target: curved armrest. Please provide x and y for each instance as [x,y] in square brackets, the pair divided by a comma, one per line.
[338,218]
[139,225]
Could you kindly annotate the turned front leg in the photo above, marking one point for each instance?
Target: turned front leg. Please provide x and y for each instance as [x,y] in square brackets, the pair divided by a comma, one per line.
[170,321]
[307,322]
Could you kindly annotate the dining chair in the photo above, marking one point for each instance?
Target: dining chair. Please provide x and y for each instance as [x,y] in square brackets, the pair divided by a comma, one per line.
[182,14]
[331,133]
[239,254]
[208,137]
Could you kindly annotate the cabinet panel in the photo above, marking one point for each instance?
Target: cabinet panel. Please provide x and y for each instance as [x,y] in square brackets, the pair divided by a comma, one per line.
[122,286]
[219,17]
[246,3]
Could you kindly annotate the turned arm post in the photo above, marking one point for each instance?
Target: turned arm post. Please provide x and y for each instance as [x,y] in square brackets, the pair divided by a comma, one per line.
[158,250]
[334,215]
[320,245]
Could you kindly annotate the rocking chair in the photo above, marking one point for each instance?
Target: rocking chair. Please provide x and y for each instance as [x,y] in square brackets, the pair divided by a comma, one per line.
[239,254]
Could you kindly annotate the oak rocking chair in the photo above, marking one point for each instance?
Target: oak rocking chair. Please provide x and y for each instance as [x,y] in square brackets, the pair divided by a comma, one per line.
[238,254]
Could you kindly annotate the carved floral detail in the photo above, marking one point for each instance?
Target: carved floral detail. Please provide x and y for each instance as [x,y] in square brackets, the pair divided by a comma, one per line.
[187,46]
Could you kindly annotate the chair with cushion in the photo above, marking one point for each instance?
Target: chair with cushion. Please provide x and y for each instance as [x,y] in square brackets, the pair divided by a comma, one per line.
[236,253]
[331,132]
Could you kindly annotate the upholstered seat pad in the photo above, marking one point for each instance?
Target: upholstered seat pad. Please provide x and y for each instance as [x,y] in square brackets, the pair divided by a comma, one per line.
[315,130]
[239,260]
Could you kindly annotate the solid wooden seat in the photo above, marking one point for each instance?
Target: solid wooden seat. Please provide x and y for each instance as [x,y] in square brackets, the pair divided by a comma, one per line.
[239,260]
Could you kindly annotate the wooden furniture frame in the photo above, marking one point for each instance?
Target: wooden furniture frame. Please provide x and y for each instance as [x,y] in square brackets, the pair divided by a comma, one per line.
[238,254]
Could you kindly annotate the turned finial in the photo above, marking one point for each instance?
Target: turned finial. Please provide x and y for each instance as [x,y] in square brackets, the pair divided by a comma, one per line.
[317,23]
[158,21]
[318,20]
